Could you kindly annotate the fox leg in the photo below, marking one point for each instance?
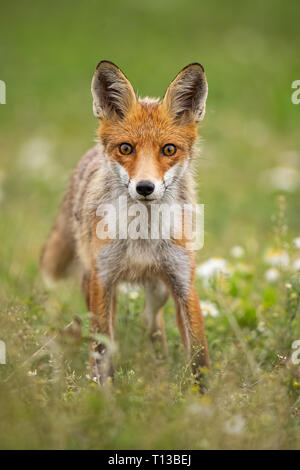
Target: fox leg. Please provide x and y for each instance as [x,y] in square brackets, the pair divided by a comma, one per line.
[178,271]
[102,305]
[191,326]
[156,295]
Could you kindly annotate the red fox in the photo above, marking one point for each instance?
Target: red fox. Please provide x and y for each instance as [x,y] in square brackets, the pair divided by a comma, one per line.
[145,153]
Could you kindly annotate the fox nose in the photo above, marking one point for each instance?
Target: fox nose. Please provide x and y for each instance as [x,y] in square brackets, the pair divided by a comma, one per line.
[145,188]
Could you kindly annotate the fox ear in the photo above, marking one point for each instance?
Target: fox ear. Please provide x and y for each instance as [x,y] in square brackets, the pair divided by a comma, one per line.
[186,96]
[112,92]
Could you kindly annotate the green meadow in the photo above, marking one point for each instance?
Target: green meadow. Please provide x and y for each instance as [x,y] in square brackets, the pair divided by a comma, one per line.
[248,275]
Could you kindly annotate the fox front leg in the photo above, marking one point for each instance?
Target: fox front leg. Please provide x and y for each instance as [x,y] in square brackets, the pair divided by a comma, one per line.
[179,269]
[102,306]
[191,326]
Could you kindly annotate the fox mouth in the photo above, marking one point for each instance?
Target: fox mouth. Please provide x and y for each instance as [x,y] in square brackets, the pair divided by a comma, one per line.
[142,199]
[146,199]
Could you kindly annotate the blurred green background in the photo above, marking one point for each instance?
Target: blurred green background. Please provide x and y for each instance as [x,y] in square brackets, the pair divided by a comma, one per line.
[250,136]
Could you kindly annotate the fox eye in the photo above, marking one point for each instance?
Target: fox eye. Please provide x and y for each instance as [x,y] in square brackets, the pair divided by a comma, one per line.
[125,149]
[169,150]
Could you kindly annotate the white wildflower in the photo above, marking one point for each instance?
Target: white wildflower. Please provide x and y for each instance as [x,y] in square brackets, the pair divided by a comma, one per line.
[235,425]
[296,264]
[277,257]
[124,288]
[132,290]
[272,275]
[211,268]
[296,242]
[209,308]
[237,251]
[94,379]
[32,373]
[282,178]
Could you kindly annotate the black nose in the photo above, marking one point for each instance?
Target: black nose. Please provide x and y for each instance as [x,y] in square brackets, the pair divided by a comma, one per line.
[145,188]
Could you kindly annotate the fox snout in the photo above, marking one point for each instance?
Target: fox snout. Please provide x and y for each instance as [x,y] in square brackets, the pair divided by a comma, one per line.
[146,190]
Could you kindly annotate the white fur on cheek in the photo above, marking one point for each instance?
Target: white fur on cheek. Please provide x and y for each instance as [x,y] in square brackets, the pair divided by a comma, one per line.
[170,174]
[122,173]
[177,171]
[184,166]
[131,189]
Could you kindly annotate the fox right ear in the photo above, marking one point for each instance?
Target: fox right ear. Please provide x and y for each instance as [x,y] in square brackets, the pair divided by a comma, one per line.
[113,94]
[186,96]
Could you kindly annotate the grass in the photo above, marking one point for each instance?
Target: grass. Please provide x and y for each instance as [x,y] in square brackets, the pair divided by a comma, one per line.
[48,53]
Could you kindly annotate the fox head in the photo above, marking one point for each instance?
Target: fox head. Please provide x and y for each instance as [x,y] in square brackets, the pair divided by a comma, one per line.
[148,143]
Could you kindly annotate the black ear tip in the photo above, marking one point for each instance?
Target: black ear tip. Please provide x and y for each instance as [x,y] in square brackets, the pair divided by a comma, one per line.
[106,62]
[194,64]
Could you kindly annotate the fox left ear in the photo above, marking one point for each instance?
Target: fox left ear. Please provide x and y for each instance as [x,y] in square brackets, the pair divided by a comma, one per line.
[112,92]
[186,96]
